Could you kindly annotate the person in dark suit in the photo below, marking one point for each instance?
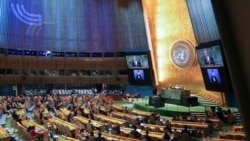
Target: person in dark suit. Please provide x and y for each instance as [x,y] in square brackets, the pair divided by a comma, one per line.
[135,62]
[166,134]
[214,78]
[135,132]
[146,137]
[15,116]
[208,60]
[100,138]
[138,76]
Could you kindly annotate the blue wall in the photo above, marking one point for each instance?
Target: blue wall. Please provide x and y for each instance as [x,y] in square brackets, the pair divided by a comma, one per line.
[143,90]
[73,25]
[7,90]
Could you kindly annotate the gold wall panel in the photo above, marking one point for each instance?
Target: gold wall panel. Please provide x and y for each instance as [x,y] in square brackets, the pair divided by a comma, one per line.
[168,22]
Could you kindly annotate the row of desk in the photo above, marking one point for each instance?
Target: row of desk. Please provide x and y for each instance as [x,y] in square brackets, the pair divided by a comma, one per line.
[4,135]
[74,129]
[39,128]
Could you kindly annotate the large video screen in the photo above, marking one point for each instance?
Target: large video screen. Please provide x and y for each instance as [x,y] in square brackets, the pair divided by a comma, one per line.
[210,56]
[213,67]
[140,76]
[137,61]
[139,70]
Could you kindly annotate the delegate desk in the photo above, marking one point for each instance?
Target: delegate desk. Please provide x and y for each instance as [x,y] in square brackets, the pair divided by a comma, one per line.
[198,125]
[111,137]
[142,113]
[111,119]
[40,128]
[156,135]
[117,107]
[224,135]
[4,135]
[64,138]
[21,113]
[218,139]
[152,126]
[71,126]
[60,114]
[126,115]
[65,111]
[85,121]
[237,128]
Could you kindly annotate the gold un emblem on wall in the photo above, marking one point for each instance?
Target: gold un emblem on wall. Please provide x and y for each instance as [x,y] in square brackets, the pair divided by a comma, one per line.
[182,54]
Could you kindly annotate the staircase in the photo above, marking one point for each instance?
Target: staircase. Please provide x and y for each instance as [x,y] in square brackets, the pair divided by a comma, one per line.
[203,101]
[201,115]
[238,117]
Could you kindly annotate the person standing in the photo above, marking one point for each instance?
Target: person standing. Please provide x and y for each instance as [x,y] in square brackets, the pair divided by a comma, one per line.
[135,62]
[208,60]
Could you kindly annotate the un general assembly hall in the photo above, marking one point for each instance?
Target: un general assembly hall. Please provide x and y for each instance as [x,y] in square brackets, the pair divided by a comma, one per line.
[118,70]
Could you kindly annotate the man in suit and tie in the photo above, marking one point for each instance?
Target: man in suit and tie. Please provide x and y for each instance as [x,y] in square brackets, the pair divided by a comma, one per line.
[135,62]
[208,60]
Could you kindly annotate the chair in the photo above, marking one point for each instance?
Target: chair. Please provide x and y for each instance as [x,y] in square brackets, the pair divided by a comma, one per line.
[62,129]
[219,126]
[229,136]
[54,127]
[148,129]
[157,129]
[20,129]
[185,137]
[152,120]
[68,131]
[231,119]
[131,136]
[239,137]
[13,123]
[123,134]
[45,124]
[52,136]
[154,139]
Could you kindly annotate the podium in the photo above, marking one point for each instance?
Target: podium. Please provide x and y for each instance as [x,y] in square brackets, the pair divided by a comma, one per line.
[156,101]
[178,97]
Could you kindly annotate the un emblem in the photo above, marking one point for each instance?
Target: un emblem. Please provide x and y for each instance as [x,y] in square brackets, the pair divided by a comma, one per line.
[182,54]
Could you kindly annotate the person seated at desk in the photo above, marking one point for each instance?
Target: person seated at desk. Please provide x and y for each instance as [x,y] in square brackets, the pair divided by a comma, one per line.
[135,132]
[176,135]
[168,126]
[50,106]
[166,134]
[146,137]
[116,129]
[186,130]
[83,134]
[15,116]
[100,138]
[34,134]
[91,137]
[70,116]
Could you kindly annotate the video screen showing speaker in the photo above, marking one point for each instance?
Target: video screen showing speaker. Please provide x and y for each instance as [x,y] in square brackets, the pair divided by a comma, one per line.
[138,75]
[210,55]
[137,61]
[213,67]
[214,76]
[139,68]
